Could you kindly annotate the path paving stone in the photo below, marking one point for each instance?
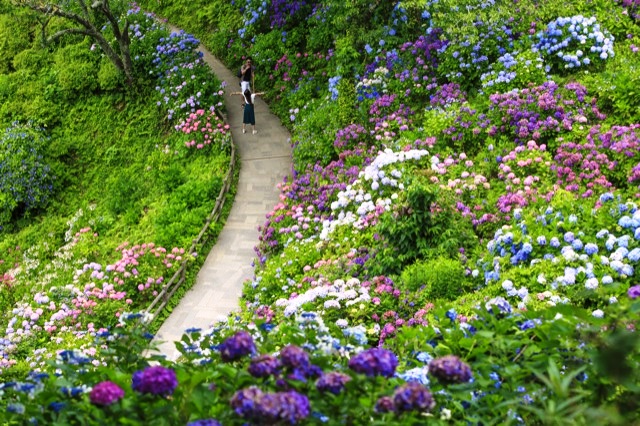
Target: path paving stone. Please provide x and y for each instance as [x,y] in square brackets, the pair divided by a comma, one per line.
[265,159]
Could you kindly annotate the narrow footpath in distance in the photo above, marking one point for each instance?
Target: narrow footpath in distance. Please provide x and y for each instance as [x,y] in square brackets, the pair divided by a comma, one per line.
[265,159]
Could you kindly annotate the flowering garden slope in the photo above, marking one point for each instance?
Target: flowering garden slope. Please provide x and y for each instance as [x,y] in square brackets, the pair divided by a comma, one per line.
[144,181]
[459,243]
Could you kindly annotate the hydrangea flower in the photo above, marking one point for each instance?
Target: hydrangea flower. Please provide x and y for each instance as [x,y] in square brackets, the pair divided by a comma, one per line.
[333,382]
[413,396]
[450,369]
[385,404]
[264,366]
[375,362]
[498,305]
[155,380]
[106,393]
[237,346]
[294,357]
[204,422]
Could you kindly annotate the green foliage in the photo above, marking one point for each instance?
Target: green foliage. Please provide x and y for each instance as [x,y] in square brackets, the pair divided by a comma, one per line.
[32,60]
[25,181]
[109,78]
[441,278]
[191,202]
[15,36]
[346,102]
[616,87]
[347,56]
[76,68]
[314,140]
[423,225]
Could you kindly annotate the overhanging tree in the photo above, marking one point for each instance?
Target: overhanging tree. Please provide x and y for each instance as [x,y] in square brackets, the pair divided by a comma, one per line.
[89,20]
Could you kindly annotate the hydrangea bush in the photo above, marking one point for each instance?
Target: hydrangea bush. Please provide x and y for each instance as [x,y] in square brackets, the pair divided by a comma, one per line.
[574,42]
[26,181]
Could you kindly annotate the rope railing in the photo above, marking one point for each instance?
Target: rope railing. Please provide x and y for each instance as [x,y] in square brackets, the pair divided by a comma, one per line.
[178,278]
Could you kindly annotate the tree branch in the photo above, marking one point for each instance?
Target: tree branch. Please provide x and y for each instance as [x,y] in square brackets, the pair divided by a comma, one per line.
[60,33]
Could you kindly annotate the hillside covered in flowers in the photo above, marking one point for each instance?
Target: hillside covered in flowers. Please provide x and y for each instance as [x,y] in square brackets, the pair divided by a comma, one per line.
[458,244]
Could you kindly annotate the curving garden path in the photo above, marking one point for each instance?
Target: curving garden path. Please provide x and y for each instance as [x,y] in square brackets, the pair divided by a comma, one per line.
[265,159]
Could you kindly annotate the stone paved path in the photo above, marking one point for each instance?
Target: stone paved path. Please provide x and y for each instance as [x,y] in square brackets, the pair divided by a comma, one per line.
[265,158]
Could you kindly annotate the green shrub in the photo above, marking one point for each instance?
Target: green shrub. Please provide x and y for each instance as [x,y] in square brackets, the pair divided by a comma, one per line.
[616,88]
[442,278]
[424,225]
[76,69]
[14,37]
[109,77]
[314,142]
[25,181]
[192,203]
[32,60]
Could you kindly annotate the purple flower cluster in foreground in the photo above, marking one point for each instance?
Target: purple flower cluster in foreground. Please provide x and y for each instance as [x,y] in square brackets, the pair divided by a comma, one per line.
[237,346]
[270,408]
[204,422]
[264,366]
[374,362]
[333,382]
[106,393]
[155,380]
[450,369]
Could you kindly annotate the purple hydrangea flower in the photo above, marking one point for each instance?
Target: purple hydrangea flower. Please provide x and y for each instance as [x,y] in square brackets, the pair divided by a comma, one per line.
[271,408]
[450,369]
[106,393]
[237,346]
[374,362]
[634,292]
[294,407]
[333,382]
[264,366]
[413,396]
[294,357]
[385,405]
[245,402]
[155,380]
[204,422]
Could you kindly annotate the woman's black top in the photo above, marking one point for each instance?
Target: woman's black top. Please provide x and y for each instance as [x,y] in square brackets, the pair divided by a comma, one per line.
[247,75]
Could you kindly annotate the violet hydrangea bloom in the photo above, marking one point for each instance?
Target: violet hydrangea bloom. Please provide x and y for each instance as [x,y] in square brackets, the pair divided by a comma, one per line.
[264,366]
[413,396]
[204,422]
[333,382]
[375,362]
[292,407]
[294,357]
[385,405]
[634,292]
[155,380]
[245,402]
[450,369]
[106,393]
[237,346]
[271,408]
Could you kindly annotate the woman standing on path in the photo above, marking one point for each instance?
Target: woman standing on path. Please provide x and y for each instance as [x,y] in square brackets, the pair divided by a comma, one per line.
[247,76]
[249,116]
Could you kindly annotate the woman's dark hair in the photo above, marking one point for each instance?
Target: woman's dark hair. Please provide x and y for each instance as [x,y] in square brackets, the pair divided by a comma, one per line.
[247,96]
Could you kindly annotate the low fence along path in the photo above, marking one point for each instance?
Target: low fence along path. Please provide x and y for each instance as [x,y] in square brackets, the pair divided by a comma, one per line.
[265,159]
